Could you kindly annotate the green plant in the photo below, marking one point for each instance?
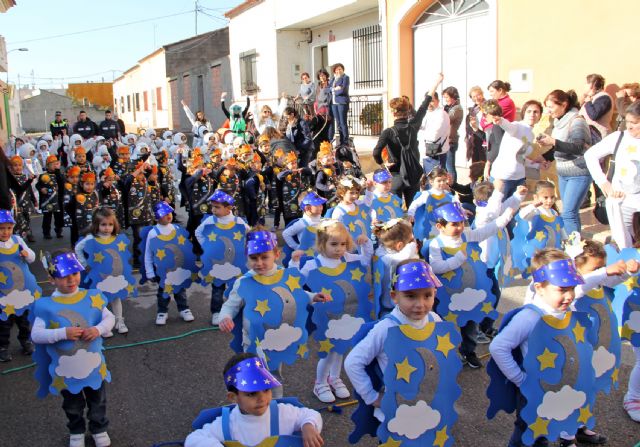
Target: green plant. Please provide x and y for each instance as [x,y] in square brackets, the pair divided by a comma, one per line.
[371,115]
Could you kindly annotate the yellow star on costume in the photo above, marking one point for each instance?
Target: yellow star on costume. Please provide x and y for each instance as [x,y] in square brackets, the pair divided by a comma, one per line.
[380,211]
[395,202]
[449,275]
[161,254]
[578,332]
[547,359]
[391,443]
[626,332]
[585,414]
[326,346]
[352,227]
[130,288]
[181,240]
[3,278]
[97,301]
[237,236]
[614,376]
[631,283]
[487,308]
[54,324]
[539,236]
[58,383]
[558,227]
[451,318]
[364,215]
[500,235]
[475,255]
[103,370]
[540,427]
[309,252]
[632,149]
[10,309]
[293,282]
[122,246]
[258,342]
[212,237]
[623,172]
[430,208]
[37,294]
[404,370]
[302,350]
[327,292]
[356,274]
[262,307]
[441,437]
[444,344]
[98,257]
[376,276]
[208,278]
[168,288]
[194,276]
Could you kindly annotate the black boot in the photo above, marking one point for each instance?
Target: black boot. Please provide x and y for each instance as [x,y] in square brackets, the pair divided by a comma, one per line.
[5,356]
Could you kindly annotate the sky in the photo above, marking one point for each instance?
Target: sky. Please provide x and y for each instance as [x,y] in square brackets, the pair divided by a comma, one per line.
[91,54]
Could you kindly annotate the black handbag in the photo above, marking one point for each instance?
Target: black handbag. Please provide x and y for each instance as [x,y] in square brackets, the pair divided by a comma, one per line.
[600,210]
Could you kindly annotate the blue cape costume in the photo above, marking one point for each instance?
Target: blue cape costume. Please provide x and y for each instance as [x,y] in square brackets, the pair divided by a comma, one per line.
[307,241]
[358,221]
[223,259]
[626,301]
[387,208]
[529,237]
[424,222]
[18,287]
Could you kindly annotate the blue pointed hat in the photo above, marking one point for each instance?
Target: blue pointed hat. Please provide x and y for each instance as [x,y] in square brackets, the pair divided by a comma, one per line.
[382,175]
[6,217]
[260,242]
[451,212]
[250,375]
[561,273]
[414,275]
[312,199]
[63,265]
[161,209]
[221,197]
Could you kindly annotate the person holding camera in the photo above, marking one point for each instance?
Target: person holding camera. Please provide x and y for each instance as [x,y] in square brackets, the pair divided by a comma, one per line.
[433,136]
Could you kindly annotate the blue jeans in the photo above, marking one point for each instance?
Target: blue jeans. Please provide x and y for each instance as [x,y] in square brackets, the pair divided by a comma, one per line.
[163,303]
[95,401]
[510,187]
[451,161]
[573,190]
[340,113]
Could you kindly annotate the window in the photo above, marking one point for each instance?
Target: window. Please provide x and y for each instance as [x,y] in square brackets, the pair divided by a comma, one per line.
[159,98]
[115,105]
[145,98]
[248,72]
[137,102]
[367,57]
[451,9]
[121,104]
[128,103]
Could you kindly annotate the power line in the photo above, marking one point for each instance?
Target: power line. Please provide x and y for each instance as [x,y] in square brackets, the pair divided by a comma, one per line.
[98,29]
[65,77]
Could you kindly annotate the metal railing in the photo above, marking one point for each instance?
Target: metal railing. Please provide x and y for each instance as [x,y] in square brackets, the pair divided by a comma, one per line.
[367,57]
[365,115]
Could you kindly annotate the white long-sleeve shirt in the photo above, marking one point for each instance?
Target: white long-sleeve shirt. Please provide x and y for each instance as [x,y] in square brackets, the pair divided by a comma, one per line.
[252,430]
[514,148]
[211,220]
[31,256]
[441,265]
[148,255]
[41,335]
[372,347]
[273,121]
[79,248]
[435,128]
[294,230]
[530,211]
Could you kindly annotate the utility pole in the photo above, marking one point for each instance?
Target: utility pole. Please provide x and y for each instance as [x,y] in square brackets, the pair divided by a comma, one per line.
[195,10]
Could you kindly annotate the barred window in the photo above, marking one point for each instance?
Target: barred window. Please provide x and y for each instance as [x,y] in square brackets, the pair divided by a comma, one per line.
[248,72]
[367,57]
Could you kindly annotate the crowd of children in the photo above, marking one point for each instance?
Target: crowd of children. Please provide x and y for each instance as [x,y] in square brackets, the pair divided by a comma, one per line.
[356,274]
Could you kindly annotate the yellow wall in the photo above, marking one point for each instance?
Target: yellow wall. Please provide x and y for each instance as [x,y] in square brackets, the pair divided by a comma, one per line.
[98,93]
[563,41]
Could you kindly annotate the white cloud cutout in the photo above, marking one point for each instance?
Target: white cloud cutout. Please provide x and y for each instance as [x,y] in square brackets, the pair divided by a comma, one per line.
[17,298]
[602,360]
[344,328]
[414,420]
[560,405]
[224,271]
[79,365]
[177,276]
[467,299]
[281,338]
[634,321]
[112,284]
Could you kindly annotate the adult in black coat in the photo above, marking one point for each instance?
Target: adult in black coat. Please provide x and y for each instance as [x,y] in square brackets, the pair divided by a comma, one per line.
[299,134]
[7,182]
[84,126]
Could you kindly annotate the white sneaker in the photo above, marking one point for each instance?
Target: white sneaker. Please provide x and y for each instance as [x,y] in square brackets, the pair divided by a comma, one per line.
[215,319]
[102,439]
[187,315]
[108,334]
[339,388]
[76,440]
[161,319]
[632,407]
[120,326]
[323,393]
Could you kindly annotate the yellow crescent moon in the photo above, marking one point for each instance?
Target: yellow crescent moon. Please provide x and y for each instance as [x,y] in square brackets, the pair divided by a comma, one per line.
[268,442]
[428,383]
[16,274]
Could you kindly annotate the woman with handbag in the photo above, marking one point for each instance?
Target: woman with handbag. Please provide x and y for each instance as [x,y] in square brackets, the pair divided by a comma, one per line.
[621,183]
[401,143]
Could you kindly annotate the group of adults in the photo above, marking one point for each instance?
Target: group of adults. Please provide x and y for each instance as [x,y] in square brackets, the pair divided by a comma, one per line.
[577,134]
[110,128]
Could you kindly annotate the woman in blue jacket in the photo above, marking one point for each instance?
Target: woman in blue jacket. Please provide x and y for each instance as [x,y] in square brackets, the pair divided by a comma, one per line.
[340,101]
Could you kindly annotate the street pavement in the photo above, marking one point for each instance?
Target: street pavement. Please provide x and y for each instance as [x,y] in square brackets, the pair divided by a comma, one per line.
[157,389]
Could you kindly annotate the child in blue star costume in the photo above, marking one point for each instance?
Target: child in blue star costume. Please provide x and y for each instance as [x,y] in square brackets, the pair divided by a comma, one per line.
[222,233]
[67,330]
[267,297]
[525,333]
[422,206]
[18,287]
[300,234]
[255,416]
[454,255]
[353,212]
[341,274]
[106,251]
[385,205]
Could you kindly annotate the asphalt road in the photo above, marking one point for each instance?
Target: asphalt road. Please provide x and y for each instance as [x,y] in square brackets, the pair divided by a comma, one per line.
[159,388]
